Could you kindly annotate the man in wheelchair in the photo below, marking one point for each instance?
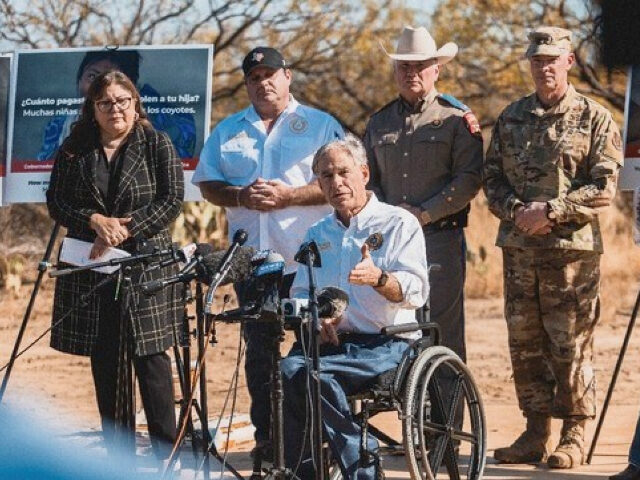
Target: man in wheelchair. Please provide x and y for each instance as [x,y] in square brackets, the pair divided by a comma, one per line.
[375,253]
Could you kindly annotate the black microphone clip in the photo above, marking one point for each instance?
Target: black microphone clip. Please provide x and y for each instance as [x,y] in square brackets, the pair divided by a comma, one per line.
[306,250]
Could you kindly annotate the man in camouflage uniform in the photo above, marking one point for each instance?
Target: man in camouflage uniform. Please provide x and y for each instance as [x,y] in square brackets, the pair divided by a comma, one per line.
[425,154]
[550,169]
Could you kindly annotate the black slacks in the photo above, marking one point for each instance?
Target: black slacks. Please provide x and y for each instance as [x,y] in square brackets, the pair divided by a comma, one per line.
[447,248]
[154,379]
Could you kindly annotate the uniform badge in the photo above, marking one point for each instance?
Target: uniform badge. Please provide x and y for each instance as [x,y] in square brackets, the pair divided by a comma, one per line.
[472,124]
[298,125]
[375,241]
[258,56]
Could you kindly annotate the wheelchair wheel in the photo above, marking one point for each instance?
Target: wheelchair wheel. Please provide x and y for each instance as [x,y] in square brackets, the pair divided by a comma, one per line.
[429,434]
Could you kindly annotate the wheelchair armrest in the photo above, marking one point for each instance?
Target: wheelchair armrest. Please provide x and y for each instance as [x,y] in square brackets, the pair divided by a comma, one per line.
[430,329]
[396,329]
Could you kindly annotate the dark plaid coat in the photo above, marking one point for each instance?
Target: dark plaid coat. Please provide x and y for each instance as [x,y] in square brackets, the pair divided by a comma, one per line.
[150,191]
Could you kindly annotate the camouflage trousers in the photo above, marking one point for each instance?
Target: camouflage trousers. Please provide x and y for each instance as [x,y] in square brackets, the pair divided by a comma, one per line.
[552,306]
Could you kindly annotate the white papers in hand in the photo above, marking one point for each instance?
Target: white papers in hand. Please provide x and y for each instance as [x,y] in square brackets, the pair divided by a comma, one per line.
[76,252]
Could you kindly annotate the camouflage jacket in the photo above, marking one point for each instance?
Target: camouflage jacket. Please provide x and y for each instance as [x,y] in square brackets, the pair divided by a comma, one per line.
[565,156]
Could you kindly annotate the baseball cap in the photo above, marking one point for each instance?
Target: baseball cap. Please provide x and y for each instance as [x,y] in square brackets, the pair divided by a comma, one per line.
[548,41]
[263,57]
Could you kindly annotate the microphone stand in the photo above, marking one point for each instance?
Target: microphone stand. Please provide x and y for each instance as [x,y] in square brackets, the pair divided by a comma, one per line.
[310,256]
[184,364]
[125,421]
[184,371]
[114,262]
[279,470]
[614,378]
[42,268]
[203,326]
[204,330]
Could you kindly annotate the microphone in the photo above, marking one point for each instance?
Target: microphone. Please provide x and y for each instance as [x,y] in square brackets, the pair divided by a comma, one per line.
[268,277]
[185,275]
[202,249]
[178,255]
[272,265]
[332,302]
[239,238]
[239,270]
[260,298]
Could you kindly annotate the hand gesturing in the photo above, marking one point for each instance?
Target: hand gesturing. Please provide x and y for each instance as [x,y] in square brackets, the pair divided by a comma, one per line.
[365,272]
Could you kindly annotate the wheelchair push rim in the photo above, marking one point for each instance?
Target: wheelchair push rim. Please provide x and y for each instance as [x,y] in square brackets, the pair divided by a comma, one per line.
[428,430]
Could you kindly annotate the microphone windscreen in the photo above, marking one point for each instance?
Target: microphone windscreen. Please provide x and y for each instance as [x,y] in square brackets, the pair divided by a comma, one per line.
[203,249]
[240,268]
[332,302]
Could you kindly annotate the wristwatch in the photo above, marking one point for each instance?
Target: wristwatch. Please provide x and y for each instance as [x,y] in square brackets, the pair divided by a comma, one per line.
[382,279]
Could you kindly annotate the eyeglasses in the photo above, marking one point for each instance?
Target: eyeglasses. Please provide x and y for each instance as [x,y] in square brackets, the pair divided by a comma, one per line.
[107,105]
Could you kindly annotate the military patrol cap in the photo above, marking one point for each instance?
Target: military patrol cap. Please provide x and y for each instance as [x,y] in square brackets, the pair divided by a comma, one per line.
[263,57]
[549,41]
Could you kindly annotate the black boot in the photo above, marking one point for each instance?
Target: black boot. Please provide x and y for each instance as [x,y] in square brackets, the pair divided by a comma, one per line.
[630,473]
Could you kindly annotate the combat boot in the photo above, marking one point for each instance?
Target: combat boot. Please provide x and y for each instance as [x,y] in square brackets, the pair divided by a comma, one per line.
[570,450]
[531,445]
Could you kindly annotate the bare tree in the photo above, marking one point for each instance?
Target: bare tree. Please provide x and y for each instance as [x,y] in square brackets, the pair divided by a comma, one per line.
[492,35]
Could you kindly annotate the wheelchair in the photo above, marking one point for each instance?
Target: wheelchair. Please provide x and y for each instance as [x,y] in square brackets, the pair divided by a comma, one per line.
[430,439]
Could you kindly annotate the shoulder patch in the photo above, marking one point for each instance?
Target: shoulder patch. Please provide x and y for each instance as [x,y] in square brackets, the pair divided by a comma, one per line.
[472,124]
[454,102]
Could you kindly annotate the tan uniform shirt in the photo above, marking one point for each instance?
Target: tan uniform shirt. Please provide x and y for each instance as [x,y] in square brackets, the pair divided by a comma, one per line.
[424,156]
[564,156]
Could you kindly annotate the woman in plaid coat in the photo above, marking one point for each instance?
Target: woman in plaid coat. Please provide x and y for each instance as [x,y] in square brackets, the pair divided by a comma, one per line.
[116,182]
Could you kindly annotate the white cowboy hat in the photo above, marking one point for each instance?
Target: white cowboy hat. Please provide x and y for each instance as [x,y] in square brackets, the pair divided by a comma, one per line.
[416,44]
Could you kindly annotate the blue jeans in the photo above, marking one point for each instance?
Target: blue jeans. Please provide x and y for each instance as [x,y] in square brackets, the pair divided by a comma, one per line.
[634,451]
[345,370]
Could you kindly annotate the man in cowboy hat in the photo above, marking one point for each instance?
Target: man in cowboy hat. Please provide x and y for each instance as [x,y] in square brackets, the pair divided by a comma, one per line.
[425,155]
[551,167]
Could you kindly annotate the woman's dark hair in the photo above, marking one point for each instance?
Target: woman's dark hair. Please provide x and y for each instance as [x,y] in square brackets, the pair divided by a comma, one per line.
[127,61]
[85,132]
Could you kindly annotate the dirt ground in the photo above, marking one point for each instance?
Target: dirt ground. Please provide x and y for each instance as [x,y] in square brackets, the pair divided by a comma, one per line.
[62,383]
